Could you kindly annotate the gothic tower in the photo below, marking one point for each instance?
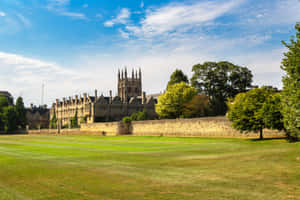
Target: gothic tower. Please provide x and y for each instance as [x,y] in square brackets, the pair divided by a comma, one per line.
[129,87]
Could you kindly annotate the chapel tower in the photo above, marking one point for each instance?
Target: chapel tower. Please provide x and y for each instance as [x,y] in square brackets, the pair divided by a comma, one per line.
[129,87]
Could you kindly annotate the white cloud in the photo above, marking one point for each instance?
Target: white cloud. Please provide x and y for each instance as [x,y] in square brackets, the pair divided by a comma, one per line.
[122,18]
[124,34]
[60,7]
[73,15]
[142,4]
[174,16]
[85,5]
[24,20]
[2,14]
[24,76]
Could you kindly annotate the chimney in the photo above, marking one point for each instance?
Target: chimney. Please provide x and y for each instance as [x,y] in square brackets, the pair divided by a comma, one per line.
[96,92]
[31,106]
[84,97]
[76,99]
[144,98]
[118,74]
[125,72]
[132,76]
[110,96]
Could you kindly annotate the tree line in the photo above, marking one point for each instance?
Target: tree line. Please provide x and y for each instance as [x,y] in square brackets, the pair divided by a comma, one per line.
[12,117]
[219,88]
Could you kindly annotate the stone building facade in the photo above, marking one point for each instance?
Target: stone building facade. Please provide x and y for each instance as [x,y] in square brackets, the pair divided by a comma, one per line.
[90,109]
[37,117]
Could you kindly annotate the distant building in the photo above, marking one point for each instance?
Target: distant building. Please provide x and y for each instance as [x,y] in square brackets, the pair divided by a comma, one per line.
[38,117]
[96,108]
[8,96]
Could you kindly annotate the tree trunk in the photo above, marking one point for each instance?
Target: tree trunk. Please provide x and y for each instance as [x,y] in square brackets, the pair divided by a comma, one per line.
[261,134]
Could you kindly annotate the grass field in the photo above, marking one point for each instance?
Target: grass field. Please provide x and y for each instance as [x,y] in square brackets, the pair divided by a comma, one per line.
[138,168]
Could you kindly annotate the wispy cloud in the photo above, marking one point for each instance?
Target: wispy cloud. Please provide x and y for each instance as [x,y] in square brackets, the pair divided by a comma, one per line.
[73,15]
[184,16]
[23,75]
[122,18]
[2,14]
[24,20]
[60,7]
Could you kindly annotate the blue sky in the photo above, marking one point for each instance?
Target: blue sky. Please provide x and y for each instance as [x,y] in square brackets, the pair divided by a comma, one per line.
[76,46]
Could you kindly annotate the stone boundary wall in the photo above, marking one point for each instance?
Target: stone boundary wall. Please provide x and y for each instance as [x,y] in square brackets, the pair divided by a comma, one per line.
[196,127]
[110,128]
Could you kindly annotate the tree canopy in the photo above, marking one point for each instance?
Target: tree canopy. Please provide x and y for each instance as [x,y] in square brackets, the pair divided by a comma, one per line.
[220,80]
[21,113]
[291,86]
[12,117]
[199,106]
[255,110]
[171,104]
[177,77]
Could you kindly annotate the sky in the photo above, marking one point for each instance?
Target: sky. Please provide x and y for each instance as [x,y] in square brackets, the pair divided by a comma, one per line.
[76,46]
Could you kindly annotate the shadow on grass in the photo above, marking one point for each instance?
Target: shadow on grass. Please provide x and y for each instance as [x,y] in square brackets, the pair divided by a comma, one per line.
[265,139]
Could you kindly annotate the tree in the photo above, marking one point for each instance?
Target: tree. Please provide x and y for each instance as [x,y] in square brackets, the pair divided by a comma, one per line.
[21,113]
[9,118]
[53,121]
[199,106]
[220,81]
[291,86]
[177,77]
[255,110]
[3,104]
[139,116]
[74,120]
[171,103]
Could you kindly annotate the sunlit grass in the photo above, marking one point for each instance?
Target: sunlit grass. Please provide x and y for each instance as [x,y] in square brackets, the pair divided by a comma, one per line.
[96,167]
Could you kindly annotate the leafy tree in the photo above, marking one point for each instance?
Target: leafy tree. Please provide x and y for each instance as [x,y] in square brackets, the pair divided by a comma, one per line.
[21,113]
[255,110]
[171,103]
[139,116]
[220,81]
[177,77]
[83,120]
[291,87]
[272,112]
[53,121]
[3,104]
[9,118]
[74,120]
[199,106]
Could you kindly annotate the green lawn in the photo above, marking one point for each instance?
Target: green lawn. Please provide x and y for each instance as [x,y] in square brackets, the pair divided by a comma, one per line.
[138,168]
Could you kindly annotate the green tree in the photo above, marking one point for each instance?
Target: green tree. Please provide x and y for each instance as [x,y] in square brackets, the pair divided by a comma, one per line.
[255,110]
[220,81]
[177,77]
[199,106]
[3,104]
[74,120]
[139,116]
[291,86]
[53,121]
[171,103]
[9,118]
[21,113]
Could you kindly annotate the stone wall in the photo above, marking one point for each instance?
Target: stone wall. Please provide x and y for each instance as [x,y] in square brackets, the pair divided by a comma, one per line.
[205,127]
[110,128]
[198,127]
